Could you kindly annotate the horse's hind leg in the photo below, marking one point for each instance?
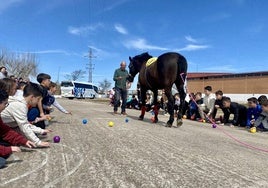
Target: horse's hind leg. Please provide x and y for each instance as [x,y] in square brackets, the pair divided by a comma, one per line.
[156,107]
[170,107]
[180,84]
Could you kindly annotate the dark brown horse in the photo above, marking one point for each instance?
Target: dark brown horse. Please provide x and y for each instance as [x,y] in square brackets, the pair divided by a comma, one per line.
[170,68]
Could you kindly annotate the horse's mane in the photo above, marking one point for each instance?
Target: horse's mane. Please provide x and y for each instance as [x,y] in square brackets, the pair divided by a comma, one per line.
[142,57]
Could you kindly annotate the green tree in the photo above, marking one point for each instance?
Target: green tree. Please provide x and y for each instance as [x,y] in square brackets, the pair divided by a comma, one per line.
[104,85]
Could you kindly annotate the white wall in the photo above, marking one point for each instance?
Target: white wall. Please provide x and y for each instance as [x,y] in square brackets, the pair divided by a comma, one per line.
[241,98]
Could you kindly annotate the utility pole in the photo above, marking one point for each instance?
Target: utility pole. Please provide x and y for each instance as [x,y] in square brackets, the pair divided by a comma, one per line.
[90,65]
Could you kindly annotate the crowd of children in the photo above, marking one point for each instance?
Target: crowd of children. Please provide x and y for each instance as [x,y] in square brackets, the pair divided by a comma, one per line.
[25,108]
[206,109]
[214,108]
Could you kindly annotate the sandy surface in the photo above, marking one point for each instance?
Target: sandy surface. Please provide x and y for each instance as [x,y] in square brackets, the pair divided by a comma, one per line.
[138,153]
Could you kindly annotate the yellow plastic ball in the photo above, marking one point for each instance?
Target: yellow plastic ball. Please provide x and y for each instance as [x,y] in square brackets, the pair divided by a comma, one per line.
[111,124]
[204,121]
[252,129]
[184,116]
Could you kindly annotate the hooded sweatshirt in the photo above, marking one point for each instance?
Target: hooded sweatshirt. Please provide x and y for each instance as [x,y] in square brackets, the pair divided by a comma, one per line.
[15,115]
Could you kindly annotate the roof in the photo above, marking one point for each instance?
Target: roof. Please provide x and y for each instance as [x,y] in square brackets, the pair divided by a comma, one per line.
[193,75]
[204,74]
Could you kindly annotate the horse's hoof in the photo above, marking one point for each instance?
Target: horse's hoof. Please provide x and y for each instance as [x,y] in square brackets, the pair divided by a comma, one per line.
[141,117]
[155,120]
[168,124]
[179,122]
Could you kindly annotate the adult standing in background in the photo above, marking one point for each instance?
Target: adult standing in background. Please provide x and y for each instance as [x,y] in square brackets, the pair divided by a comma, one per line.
[120,78]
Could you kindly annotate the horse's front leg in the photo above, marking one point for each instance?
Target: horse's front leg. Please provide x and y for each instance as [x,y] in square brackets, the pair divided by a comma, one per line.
[143,107]
[156,106]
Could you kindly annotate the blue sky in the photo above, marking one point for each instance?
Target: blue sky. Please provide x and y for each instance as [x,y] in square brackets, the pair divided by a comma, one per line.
[214,36]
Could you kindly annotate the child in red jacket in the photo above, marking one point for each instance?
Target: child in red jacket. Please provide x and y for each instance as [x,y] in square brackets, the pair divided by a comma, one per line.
[8,136]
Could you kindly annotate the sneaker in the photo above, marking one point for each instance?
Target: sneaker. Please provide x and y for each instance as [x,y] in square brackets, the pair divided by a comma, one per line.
[115,112]
[124,113]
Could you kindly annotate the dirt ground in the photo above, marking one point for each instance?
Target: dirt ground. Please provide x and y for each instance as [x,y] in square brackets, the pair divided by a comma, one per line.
[137,153]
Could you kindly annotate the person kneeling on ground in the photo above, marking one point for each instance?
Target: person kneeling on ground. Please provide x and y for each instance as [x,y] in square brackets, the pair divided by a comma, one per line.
[9,139]
[239,111]
[16,114]
[253,112]
[262,121]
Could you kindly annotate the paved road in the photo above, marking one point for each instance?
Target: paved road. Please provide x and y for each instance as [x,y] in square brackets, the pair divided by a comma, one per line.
[138,154]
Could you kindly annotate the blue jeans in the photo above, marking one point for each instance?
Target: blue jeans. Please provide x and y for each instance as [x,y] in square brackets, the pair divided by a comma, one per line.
[32,114]
[120,93]
[2,162]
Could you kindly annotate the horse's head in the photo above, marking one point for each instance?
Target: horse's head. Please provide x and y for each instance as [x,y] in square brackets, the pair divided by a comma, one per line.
[136,64]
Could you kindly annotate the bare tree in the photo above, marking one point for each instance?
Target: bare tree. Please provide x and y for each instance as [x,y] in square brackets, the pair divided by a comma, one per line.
[104,85]
[75,75]
[19,64]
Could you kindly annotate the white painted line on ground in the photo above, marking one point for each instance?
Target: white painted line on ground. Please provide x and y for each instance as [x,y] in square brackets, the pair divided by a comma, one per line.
[29,172]
[59,179]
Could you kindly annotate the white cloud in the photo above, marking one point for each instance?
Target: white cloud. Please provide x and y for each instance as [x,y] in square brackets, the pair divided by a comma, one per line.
[83,30]
[119,28]
[190,39]
[141,44]
[51,52]
[4,5]
[113,5]
[57,51]
[100,54]
[192,47]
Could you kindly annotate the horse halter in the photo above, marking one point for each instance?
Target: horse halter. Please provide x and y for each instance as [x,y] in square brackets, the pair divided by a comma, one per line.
[132,70]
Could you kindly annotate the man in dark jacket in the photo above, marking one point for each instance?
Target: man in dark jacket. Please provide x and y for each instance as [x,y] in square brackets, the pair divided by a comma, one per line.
[120,78]
[239,111]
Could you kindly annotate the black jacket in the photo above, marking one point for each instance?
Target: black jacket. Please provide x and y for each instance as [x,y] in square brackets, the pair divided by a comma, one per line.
[239,111]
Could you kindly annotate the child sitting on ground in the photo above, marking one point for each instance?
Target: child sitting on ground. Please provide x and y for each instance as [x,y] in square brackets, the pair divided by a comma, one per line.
[198,103]
[9,139]
[177,103]
[16,114]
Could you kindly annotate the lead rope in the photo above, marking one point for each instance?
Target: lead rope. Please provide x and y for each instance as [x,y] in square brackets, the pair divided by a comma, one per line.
[223,131]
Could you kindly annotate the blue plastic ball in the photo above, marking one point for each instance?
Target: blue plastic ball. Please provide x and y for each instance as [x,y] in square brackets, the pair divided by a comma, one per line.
[126,120]
[84,121]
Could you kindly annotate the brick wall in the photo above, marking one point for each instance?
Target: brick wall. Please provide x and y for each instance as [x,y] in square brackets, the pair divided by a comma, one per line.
[239,85]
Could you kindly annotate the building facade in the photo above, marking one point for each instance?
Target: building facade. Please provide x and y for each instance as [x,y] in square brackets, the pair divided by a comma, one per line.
[242,83]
